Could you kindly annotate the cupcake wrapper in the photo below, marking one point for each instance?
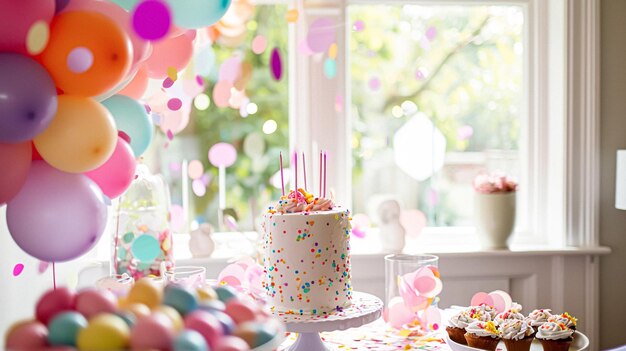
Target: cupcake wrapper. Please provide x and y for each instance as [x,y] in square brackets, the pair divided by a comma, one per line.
[518,345]
[482,342]
[457,335]
[556,345]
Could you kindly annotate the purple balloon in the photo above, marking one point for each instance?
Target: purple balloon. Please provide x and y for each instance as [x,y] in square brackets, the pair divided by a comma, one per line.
[56,216]
[28,98]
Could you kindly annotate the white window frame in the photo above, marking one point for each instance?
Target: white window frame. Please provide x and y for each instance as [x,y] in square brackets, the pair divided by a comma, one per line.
[562,48]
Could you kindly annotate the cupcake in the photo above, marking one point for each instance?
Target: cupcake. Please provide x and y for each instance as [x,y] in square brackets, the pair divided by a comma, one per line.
[457,325]
[483,313]
[554,336]
[516,334]
[508,316]
[482,335]
[537,317]
[565,319]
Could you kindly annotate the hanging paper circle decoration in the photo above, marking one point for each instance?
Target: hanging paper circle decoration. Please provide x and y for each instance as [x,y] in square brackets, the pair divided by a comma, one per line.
[222,155]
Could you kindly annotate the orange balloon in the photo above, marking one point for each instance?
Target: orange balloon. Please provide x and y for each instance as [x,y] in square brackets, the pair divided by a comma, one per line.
[173,52]
[81,137]
[137,85]
[87,54]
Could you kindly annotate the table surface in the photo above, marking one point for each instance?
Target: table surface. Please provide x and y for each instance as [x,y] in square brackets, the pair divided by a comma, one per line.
[376,336]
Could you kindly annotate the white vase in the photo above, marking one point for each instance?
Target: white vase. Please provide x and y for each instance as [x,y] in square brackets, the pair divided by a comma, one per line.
[495,219]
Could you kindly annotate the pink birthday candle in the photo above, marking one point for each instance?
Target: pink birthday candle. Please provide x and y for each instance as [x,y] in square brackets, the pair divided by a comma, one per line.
[320,173]
[282,179]
[295,160]
[325,168]
[304,170]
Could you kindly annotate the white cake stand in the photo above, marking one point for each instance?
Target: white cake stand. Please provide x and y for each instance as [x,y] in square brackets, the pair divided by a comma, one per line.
[365,309]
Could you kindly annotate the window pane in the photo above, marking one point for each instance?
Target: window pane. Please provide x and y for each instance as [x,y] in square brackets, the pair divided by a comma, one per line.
[255,120]
[437,97]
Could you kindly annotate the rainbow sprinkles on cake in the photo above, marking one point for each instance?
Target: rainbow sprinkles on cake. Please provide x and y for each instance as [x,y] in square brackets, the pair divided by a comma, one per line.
[306,254]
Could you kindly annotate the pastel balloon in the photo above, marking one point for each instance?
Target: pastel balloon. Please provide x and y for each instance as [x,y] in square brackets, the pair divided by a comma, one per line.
[107,42]
[104,332]
[259,43]
[198,13]
[18,18]
[137,86]
[81,137]
[206,324]
[57,216]
[131,118]
[151,19]
[115,175]
[64,328]
[222,93]
[140,47]
[126,4]
[29,99]
[27,335]
[222,155]
[182,299]
[152,332]
[172,52]
[54,302]
[15,160]
[231,343]
[241,310]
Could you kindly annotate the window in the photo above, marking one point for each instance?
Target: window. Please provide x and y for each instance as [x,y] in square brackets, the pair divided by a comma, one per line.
[254,121]
[437,97]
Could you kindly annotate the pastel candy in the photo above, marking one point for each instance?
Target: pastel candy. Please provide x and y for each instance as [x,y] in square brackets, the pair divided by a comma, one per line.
[153,332]
[104,332]
[147,292]
[206,293]
[212,305]
[173,315]
[54,302]
[228,325]
[182,299]
[255,334]
[27,335]
[231,343]
[190,340]
[241,310]
[91,302]
[225,293]
[64,328]
[206,324]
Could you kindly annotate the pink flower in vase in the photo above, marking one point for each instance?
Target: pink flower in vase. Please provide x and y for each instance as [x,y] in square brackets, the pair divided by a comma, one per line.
[495,183]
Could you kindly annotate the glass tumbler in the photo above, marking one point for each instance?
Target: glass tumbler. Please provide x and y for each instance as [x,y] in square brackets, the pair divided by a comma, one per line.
[410,286]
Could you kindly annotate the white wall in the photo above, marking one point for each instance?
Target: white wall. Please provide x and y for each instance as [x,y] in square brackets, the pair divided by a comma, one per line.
[613,137]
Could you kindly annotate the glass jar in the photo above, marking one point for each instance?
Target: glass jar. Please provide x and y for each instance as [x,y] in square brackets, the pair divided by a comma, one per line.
[142,239]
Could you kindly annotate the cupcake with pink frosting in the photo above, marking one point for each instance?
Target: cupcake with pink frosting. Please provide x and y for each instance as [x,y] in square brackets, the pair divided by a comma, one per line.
[516,334]
[555,336]
[537,317]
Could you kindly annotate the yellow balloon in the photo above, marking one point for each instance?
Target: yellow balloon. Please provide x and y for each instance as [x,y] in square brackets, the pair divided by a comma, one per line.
[81,137]
[173,315]
[145,291]
[104,332]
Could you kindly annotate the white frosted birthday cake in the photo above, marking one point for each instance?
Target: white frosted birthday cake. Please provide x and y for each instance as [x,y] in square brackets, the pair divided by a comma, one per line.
[307,255]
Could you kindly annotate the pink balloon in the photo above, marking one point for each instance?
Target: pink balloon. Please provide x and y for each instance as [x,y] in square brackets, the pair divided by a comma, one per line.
[116,174]
[222,155]
[322,33]
[221,93]
[195,169]
[173,52]
[15,161]
[31,335]
[18,17]
[137,86]
[198,187]
[152,19]
[259,44]
[56,216]
[141,48]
